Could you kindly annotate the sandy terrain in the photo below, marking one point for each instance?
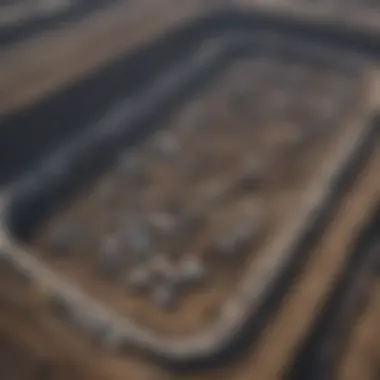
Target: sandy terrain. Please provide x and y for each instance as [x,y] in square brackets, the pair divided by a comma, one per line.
[362,355]
[32,69]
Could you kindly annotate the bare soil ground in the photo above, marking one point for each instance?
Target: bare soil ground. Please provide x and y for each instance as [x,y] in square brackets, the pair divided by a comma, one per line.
[362,354]
[39,66]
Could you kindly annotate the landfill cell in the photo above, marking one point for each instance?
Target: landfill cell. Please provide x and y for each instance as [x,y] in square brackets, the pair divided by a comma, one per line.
[177,246]
[188,232]
[218,179]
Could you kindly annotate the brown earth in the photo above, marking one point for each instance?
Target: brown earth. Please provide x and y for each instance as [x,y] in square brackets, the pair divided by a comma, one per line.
[362,354]
[39,66]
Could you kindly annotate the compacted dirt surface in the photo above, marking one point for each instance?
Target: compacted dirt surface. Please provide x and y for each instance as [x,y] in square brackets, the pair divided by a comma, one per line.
[38,66]
[210,248]
[362,354]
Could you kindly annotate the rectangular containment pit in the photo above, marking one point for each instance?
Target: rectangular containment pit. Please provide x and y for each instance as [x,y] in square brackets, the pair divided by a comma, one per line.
[203,187]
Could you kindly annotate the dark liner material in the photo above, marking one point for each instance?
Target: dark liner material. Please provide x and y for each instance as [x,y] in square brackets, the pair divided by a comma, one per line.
[14,33]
